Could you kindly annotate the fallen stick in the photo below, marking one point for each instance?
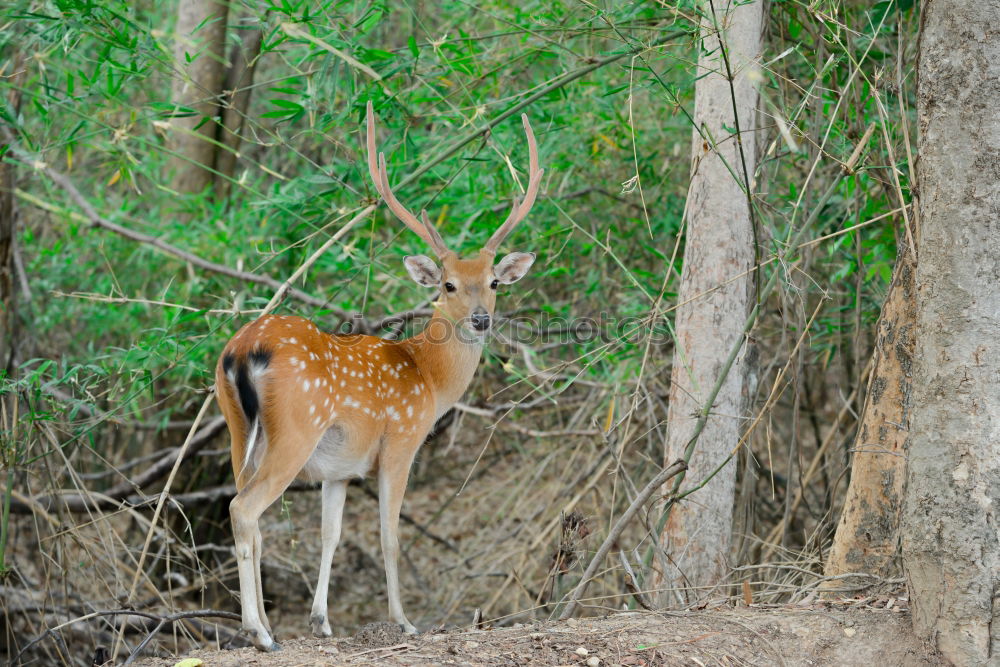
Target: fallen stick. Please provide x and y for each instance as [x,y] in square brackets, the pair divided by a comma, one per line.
[161,621]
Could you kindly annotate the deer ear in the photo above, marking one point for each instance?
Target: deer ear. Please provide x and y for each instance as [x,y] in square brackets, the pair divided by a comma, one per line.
[512,267]
[423,270]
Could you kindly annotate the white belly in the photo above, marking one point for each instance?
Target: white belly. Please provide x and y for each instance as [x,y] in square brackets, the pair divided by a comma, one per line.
[331,461]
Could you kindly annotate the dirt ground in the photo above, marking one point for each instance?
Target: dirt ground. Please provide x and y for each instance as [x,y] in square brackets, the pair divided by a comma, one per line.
[726,638]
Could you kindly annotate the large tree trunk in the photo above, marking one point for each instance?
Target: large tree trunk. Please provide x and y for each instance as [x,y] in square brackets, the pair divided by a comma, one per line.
[199,59]
[867,537]
[951,550]
[718,247]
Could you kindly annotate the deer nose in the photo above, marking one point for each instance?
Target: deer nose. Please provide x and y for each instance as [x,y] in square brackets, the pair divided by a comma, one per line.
[480,320]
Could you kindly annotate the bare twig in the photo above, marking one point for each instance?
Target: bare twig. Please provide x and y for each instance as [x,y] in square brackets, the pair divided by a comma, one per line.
[675,468]
[542,91]
[296,31]
[706,410]
[286,287]
[173,618]
[156,515]
[95,219]
[109,499]
[161,622]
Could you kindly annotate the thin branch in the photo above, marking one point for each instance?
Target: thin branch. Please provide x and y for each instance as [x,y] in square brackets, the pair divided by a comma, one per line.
[558,82]
[576,194]
[173,618]
[739,145]
[139,571]
[294,30]
[706,410]
[91,216]
[286,287]
[123,491]
[674,469]
[162,620]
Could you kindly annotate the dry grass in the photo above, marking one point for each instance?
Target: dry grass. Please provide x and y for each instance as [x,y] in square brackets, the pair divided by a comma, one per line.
[500,521]
[510,498]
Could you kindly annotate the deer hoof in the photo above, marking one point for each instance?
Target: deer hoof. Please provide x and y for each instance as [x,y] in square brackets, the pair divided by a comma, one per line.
[320,626]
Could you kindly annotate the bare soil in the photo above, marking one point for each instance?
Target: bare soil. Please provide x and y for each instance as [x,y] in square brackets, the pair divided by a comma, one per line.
[719,637]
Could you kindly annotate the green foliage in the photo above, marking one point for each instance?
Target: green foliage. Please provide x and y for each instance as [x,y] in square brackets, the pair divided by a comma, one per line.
[119,338]
[94,81]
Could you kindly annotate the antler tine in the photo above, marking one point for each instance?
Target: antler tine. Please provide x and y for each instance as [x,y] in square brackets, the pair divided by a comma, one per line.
[520,208]
[436,241]
[370,140]
[532,144]
[396,207]
[379,175]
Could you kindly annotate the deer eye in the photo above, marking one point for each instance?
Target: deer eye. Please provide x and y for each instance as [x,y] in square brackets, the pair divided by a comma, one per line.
[493,285]
[449,287]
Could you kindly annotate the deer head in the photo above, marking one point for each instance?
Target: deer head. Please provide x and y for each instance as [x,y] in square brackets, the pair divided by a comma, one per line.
[467,286]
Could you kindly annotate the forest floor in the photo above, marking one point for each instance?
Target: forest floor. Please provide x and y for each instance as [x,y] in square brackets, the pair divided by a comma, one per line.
[783,636]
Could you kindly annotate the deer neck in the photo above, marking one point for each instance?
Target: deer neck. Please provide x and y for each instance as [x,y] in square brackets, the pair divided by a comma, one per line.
[447,356]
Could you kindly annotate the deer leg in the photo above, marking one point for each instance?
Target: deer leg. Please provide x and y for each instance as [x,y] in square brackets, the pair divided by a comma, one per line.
[279,466]
[258,543]
[392,476]
[334,495]
[244,533]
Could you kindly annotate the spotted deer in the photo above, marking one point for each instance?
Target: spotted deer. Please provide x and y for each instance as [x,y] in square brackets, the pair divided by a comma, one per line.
[301,403]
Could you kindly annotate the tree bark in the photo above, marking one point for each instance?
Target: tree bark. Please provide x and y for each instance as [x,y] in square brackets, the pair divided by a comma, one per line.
[719,246]
[199,60]
[236,100]
[8,293]
[867,537]
[8,233]
[951,550]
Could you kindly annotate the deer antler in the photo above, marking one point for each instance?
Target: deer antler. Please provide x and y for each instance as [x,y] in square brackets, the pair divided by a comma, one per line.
[521,207]
[422,227]
[377,171]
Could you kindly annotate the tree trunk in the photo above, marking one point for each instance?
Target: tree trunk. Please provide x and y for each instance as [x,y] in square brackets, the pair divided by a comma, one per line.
[8,294]
[718,247]
[8,233]
[867,536]
[199,59]
[236,100]
[951,551]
